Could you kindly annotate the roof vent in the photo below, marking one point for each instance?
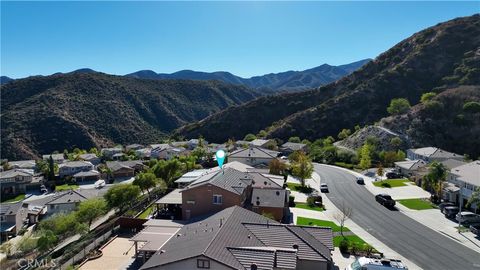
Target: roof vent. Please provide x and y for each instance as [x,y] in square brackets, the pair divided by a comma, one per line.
[249,236]
[295,246]
[265,183]
[278,193]
[258,202]
[253,266]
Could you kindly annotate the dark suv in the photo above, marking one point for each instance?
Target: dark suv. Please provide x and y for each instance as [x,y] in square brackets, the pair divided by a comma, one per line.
[385,200]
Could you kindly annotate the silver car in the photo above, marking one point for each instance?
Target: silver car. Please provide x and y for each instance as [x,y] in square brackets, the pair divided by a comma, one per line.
[467,217]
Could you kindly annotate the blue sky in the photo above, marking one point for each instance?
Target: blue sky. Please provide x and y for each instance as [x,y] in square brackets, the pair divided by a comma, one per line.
[245,38]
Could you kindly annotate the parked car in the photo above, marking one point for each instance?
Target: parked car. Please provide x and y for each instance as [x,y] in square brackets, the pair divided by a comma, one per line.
[324,188]
[393,175]
[377,264]
[450,211]
[445,204]
[360,180]
[385,200]
[475,229]
[99,184]
[467,217]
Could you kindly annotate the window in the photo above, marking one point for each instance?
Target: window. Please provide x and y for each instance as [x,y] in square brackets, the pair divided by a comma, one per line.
[217,199]
[205,264]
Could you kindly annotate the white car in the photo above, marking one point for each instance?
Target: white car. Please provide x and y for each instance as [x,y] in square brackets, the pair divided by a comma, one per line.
[467,217]
[364,263]
[99,184]
[324,187]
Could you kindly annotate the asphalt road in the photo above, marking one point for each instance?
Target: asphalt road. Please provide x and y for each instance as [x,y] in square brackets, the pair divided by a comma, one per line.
[423,246]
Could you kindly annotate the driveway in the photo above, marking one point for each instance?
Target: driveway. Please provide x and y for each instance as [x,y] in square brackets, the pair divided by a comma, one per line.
[425,247]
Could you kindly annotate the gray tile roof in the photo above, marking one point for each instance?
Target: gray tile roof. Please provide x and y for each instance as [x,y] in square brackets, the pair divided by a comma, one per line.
[116,165]
[254,152]
[265,258]
[10,208]
[468,173]
[225,236]
[22,164]
[293,146]
[268,197]
[16,172]
[452,163]
[263,180]
[54,156]
[229,179]
[75,164]
[88,156]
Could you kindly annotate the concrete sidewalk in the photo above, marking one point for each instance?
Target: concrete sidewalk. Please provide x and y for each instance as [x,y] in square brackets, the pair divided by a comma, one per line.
[331,211]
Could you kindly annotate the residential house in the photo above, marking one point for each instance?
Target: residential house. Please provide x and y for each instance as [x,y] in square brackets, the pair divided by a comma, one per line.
[216,191]
[125,169]
[236,238]
[430,154]
[57,158]
[259,143]
[12,217]
[110,152]
[242,144]
[22,164]
[143,153]
[290,147]
[71,168]
[411,168]
[253,156]
[463,181]
[269,196]
[68,201]
[194,143]
[92,175]
[134,147]
[168,152]
[159,150]
[13,182]
[92,158]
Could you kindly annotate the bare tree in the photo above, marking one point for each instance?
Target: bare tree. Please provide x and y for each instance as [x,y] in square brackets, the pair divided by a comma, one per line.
[344,214]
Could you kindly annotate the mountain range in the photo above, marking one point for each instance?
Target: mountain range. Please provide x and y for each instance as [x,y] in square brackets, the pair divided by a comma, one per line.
[436,59]
[284,81]
[43,114]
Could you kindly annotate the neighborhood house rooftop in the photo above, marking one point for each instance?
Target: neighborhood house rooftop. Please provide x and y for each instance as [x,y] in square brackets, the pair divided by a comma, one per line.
[468,173]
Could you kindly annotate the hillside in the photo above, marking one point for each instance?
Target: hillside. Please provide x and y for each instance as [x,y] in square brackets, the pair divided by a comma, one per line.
[430,60]
[443,122]
[284,81]
[5,79]
[85,109]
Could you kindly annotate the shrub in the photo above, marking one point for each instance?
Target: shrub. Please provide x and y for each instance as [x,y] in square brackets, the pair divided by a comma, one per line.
[398,106]
[343,246]
[472,107]
[291,201]
[311,201]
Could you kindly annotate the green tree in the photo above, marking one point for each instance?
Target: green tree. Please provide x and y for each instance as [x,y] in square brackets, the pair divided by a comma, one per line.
[277,167]
[262,134]
[380,171]
[250,137]
[357,128]
[52,169]
[396,142]
[365,157]
[121,195]
[168,170]
[472,107]
[426,97]
[344,134]
[398,106]
[437,174]
[294,139]
[475,199]
[302,167]
[91,209]
[145,181]
[46,241]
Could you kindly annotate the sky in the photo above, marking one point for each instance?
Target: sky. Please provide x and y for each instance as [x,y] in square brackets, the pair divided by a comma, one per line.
[245,38]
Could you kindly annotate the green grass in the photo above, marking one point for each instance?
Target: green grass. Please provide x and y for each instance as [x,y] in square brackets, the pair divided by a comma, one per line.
[65,187]
[15,199]
[298,187]
[417,204]
[318,222]
[391,183]
[308,207]
[147,212]
[350,238]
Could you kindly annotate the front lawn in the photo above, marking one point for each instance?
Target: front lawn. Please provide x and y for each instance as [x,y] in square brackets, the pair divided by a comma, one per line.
[391,183]
[298,187]
[417,204]
[147,212]
[308,207]
[321,223]
[15,199]
[66,187]
[350,238]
